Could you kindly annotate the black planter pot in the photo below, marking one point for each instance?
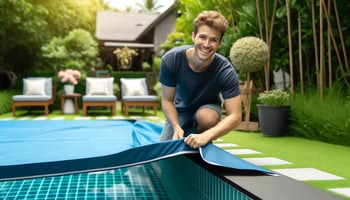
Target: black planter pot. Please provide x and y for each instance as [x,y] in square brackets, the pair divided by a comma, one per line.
[274,120]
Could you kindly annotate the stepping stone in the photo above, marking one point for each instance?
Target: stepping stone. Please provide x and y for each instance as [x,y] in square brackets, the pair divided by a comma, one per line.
[225,145]
[153,118]
[82,118]
[307,174]
[137,117]
[40,118]
[24,118]
[242,151]
[102,118]
[7,119]
[57,118]
[342,191]
[266,161]
[118,117]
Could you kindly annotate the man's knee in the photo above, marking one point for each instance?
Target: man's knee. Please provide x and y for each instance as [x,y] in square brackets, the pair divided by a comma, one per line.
[206,118]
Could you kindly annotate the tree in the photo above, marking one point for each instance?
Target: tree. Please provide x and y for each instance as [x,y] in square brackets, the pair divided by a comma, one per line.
[28,24]
[149,6]
[78,50]
[22,31]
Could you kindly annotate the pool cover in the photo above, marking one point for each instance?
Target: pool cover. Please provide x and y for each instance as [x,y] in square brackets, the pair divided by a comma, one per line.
[30,149]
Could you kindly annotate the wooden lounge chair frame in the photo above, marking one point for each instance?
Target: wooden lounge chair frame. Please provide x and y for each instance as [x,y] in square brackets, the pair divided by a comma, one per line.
[111,104]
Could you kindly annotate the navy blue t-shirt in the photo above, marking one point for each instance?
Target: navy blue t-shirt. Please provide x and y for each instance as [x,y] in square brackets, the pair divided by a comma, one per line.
[194,89]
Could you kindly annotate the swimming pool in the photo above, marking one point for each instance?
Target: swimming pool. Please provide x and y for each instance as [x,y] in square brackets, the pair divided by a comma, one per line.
[156,180]
[124,160]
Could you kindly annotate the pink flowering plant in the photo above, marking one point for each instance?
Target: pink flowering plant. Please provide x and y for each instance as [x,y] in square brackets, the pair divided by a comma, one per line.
[69,76]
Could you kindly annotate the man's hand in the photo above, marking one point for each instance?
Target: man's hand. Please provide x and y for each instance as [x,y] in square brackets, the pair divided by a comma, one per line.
[178,133]
[197,140]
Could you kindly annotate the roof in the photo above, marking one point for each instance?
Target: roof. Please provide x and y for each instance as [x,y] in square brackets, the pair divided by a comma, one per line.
[126,27]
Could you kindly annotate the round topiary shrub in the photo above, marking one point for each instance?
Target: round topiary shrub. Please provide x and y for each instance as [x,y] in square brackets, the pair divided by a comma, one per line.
[249,54]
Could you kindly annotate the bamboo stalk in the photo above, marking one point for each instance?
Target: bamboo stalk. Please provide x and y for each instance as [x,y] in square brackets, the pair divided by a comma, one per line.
[341,35]
[269,41]
[233,19]
[272,22]
[257,4]
[300,56]
[267,70]
[317,67]
[290,48]
[329,45]
[322,5]
[321,51]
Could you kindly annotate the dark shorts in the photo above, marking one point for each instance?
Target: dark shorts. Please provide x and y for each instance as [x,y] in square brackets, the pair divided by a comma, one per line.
[187,122]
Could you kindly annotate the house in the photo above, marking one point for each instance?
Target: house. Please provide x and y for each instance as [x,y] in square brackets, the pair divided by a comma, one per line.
[144,32]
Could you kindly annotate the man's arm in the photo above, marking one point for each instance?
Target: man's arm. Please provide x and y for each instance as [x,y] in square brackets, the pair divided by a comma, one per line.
[170,112]
[233,107]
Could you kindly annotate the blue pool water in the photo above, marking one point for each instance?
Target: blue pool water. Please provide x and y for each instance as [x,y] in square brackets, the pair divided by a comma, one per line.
[139,182]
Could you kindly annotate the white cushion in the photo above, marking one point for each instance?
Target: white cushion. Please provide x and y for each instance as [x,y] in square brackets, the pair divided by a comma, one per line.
[34,86]
[48,84]
[134,86]
[99,86]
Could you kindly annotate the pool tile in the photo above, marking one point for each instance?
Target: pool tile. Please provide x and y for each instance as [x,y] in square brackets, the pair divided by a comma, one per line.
[123,183]
[242,151]
[266,161]
[225,145]
[342,191]
[307,174]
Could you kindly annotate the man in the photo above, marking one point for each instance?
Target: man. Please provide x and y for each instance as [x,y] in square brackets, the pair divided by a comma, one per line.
[193,78]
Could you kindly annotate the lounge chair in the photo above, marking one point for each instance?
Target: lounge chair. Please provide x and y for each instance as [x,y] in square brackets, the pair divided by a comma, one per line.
[37,91]
[134,92]
[99,93]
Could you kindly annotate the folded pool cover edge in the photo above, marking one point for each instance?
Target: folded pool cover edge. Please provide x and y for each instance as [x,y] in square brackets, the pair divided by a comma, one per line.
[145,149]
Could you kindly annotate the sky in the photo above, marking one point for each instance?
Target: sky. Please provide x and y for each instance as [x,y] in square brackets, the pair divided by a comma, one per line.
[122,4]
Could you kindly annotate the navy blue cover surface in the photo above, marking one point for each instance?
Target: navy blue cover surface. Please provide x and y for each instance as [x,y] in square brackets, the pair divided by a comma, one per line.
[31,149]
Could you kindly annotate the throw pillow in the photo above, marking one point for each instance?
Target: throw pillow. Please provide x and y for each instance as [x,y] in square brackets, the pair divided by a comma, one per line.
[35,86]
[133,87]
[97,87]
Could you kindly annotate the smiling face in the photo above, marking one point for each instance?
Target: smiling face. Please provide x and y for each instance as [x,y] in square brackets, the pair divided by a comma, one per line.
[206,42]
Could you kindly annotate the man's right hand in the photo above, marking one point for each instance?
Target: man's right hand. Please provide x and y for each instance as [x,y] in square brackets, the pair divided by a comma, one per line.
[178,132]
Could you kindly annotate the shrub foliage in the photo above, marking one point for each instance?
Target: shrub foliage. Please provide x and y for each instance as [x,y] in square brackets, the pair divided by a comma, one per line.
[326,120]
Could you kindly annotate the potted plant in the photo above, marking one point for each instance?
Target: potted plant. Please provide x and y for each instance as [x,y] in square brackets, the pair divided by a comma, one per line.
[70,78]
[273,112]
[124,56]
[248,54]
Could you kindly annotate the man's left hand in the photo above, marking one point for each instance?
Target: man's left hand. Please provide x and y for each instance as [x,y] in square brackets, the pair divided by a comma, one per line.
[197,140]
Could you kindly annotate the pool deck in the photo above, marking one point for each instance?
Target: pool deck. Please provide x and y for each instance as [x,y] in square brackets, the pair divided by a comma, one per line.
[262,186]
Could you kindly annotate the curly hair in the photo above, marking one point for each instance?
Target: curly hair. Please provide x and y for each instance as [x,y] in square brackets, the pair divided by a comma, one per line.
[212,19]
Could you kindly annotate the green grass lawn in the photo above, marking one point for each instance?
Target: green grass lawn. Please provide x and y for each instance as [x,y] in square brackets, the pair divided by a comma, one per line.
[302,153]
